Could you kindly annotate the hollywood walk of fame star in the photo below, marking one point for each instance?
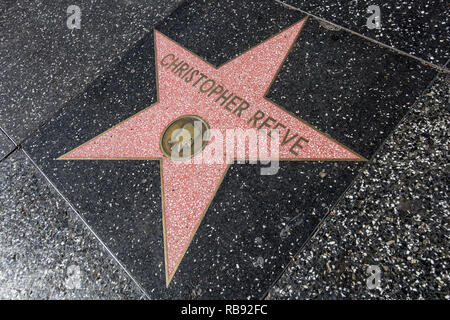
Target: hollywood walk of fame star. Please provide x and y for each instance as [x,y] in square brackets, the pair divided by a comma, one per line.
[226,97]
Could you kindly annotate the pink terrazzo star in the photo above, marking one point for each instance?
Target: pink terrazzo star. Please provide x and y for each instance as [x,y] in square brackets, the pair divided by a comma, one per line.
[187,85]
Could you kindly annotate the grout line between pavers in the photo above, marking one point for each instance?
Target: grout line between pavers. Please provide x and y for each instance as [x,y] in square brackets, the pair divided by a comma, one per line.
[7,135]
[43,123]
[101,72]
[16,146]
[144,293]
[321,224]
[401,52]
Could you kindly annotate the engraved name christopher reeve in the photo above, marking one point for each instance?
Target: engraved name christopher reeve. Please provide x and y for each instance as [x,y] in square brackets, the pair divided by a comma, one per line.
[230,101]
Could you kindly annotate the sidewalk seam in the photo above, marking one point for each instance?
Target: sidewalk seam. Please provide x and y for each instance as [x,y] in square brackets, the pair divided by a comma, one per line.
[321,224]
[16,146]
[105,247]
[398,51]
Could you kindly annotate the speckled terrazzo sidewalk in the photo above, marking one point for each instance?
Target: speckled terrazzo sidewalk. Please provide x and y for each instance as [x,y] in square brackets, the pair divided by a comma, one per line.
[44,64]
[396,216]
[41,241]
[97,229]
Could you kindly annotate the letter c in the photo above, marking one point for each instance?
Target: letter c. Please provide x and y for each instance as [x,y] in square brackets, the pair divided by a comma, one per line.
[263,307]
[170,54]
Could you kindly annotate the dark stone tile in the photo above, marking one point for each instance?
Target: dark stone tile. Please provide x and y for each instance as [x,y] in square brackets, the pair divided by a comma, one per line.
[44,63]
[420,28]
[6,145]
[5,5]
[46,251]
[395,216]
[350,88]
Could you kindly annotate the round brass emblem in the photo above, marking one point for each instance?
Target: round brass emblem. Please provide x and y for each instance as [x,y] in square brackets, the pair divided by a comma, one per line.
[184,137]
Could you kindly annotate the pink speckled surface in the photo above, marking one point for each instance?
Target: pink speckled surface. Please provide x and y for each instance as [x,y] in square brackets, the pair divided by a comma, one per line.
[188,188]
